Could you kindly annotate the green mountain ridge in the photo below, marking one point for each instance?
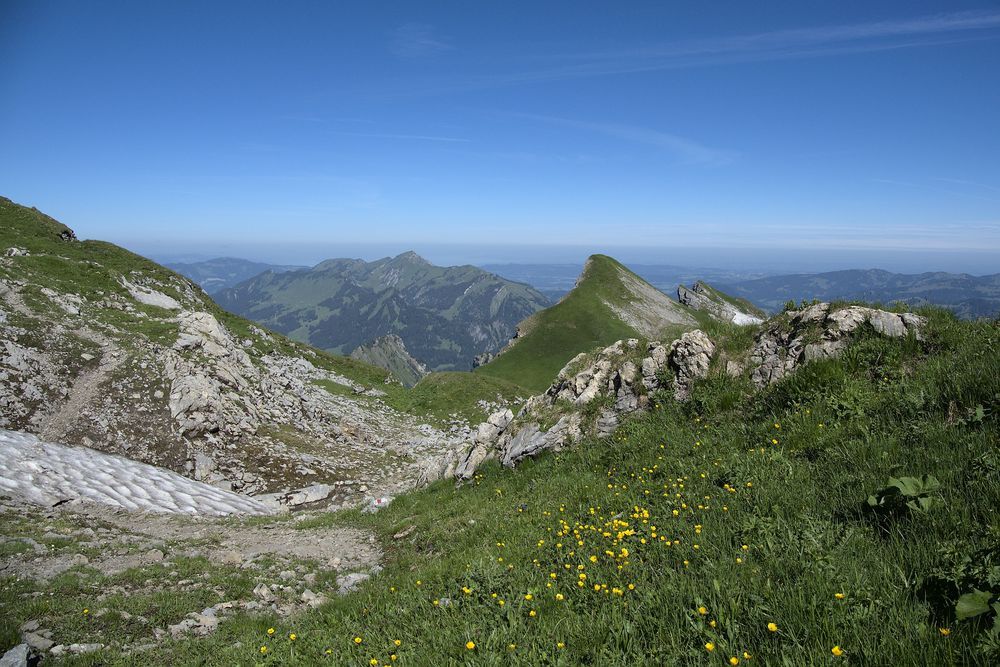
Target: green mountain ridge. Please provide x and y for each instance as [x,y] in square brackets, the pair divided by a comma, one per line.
[608,303]
[445,315]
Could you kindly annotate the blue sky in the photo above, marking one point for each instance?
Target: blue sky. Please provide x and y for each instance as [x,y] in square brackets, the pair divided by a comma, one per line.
[845,133]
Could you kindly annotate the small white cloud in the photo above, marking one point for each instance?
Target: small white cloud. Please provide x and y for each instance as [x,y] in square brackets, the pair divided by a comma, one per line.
[416,40]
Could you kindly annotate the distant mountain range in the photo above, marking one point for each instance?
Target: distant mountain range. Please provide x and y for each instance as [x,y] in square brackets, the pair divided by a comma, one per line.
[446,316]
[215,275]
[967,296]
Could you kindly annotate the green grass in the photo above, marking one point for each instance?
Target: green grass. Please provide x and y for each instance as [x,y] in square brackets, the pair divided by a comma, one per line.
[439,396]
[757,501]
[579,323]
[443,394]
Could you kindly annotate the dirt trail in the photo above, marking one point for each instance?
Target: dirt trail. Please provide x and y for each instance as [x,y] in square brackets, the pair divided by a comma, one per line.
[84,391]
[125,539]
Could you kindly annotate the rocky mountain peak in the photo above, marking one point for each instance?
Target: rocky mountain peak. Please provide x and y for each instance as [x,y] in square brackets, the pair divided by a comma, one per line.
[410,257]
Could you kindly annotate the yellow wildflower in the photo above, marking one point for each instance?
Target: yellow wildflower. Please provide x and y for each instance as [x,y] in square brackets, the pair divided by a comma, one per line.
[773,627]
[471,645]
[837,651]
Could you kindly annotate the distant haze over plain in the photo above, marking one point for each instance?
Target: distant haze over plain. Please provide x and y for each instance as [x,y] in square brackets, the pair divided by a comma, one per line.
[753,261]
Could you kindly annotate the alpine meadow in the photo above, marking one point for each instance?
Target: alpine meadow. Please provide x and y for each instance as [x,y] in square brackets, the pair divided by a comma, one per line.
[529,334]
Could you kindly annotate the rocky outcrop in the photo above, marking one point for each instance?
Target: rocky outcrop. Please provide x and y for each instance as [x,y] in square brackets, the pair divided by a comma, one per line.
[709,300]
[486,435]
[620,376]
[151,297]
[689,358]
[818,332]
[239,413]
[389,352]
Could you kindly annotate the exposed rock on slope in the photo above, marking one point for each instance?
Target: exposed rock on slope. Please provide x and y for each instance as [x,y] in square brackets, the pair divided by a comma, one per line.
[720,306]
[817,332]
[645,308]
[619,378]
[389,352]
[119,354]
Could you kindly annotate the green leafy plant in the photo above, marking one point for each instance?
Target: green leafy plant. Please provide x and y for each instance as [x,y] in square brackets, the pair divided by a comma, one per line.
[905,494]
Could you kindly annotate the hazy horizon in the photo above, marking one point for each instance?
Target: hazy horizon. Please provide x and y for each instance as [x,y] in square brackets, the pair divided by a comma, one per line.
[759,261]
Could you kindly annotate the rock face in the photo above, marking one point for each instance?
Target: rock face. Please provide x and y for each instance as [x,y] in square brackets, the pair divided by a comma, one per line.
[817,332]
[620,376]
[389,352]
[709,300]
[16,657]
[690,357]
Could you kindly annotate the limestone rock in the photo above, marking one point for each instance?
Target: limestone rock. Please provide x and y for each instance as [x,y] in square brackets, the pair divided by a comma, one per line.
[16,657]
[690,357]
[150,297]
[815,333]
[348,583]
[702,297]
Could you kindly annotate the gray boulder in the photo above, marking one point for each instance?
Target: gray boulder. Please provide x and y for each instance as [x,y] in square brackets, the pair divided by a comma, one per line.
[16,657]
[690,357]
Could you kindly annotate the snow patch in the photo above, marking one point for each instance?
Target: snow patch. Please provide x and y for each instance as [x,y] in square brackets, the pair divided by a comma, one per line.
[744,320]
[48,474]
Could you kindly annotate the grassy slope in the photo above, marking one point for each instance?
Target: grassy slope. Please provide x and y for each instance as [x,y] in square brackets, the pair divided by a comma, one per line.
[784,472]
[578,323]
[92,269]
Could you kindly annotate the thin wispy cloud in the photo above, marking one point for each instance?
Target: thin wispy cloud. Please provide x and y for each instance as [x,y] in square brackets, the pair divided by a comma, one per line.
[417,137]
[685,150]
[799,43]
[416,40]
